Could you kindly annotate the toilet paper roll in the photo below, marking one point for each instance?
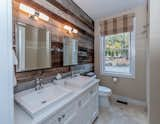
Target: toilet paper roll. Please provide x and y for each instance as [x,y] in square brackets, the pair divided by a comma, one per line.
[115,79]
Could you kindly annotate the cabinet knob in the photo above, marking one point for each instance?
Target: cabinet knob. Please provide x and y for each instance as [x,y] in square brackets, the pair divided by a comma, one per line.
[91,92]
[59,119]
[80,103]
[63,116]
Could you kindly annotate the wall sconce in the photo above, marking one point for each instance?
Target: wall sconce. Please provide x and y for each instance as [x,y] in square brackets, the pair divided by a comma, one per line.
[75,31]
[43,17]
[70,29]
[33,13]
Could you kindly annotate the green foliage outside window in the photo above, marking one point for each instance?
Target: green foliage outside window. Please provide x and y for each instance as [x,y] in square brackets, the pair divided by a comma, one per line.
[117,45]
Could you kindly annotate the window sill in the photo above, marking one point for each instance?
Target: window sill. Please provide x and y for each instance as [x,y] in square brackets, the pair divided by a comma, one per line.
[119,75]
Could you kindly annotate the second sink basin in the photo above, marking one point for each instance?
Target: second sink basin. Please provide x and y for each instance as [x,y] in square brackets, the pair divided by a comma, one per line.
[80,81]
[34,101]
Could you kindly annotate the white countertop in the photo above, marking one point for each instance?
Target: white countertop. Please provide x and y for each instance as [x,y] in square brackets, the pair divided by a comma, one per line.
[21,117]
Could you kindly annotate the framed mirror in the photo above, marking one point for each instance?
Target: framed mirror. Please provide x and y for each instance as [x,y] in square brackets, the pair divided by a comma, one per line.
[70,51]
[33,47]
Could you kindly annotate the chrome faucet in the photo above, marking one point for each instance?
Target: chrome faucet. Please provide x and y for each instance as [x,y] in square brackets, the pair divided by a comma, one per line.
[39,84]
[72,74]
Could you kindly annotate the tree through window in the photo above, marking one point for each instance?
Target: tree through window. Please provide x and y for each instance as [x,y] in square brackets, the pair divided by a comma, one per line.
[117,54]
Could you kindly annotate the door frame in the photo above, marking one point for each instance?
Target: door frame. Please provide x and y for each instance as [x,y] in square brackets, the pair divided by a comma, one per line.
[6,63]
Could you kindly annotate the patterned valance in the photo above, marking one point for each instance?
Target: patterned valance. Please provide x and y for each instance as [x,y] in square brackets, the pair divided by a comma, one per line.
[117,25]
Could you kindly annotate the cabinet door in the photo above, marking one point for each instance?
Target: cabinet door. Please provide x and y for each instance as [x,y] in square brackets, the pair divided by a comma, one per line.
[93,108]
[53,120]
[73,120]
[89,111]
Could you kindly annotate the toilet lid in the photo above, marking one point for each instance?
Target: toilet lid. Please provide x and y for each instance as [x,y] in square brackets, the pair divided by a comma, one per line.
[103,89]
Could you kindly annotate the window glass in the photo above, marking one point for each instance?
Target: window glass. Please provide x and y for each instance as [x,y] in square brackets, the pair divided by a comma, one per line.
[118,54]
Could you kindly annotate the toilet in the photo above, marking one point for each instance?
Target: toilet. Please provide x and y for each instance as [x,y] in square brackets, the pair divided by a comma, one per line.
[104,94]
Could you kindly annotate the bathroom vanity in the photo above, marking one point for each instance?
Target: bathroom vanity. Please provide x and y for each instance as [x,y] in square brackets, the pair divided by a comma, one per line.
[66,101]
[73,101]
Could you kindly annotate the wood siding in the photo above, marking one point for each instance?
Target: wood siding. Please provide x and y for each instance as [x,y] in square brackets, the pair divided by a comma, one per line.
[58,18]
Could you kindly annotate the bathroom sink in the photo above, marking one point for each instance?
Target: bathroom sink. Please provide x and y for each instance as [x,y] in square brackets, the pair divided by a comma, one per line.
[34,101]
[79,82]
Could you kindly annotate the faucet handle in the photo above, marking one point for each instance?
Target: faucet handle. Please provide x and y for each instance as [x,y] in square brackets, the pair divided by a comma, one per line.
[41,83]
[37,80]
[38,83]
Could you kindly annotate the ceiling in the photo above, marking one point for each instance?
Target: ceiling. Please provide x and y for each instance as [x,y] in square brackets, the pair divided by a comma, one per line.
[102,8]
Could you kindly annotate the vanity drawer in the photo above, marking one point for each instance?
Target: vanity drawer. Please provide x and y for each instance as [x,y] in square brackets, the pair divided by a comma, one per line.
[62,116]
[82,101]
[52,120]
[86,96]
[69,111]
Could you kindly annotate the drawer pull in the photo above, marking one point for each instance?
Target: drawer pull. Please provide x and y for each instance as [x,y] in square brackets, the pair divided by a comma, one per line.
[80,103]
[59,119]
[91,92]
[63,116]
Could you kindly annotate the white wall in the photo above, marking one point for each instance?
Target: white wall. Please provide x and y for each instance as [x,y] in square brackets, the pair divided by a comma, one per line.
[154,62]
[133,88]
[6,69]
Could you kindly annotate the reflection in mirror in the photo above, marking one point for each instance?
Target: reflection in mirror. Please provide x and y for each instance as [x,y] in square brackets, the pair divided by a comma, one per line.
[70,51]
[32,47]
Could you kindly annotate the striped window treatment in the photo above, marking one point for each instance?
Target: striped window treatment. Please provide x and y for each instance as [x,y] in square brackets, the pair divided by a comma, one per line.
[117,25]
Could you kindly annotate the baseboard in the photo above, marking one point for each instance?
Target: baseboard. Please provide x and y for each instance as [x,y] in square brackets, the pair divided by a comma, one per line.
[114,98]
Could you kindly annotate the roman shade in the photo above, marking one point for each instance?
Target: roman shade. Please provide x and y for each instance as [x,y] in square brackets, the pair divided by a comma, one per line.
[117,25]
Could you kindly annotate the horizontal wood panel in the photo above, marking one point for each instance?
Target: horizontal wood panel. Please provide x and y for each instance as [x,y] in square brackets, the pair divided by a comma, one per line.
[31,75]
[55,26]
[68,7]
[57,15]
[63,15]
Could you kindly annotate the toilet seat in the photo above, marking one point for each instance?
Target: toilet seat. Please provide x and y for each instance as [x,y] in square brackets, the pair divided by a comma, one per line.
[104,91]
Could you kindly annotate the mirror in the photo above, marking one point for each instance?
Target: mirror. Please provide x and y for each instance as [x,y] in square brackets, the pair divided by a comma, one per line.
[33,47]
[70,51]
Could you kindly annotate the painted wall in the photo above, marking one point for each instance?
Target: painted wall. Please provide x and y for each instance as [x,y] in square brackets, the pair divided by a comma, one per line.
[133,88]
[154,63]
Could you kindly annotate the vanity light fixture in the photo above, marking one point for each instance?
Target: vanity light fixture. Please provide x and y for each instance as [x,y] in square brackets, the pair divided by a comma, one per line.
[43,17]
[27,9]
[70,29]
[33,13]
[75,31]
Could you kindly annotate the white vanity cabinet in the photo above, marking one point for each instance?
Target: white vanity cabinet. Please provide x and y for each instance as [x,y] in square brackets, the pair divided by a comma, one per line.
[88,106]
[81,110]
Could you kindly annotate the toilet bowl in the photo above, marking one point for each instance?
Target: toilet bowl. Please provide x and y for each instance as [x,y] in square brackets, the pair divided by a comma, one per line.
[104,94]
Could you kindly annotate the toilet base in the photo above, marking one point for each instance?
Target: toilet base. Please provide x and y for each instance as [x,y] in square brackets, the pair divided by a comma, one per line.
[104,101]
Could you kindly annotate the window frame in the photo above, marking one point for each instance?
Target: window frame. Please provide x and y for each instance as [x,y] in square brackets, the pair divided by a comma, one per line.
[132,58]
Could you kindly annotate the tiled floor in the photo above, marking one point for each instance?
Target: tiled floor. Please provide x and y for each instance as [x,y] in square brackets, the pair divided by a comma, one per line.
[122,114]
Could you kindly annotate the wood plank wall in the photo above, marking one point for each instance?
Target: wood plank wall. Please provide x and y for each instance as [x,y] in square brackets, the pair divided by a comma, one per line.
[61,12]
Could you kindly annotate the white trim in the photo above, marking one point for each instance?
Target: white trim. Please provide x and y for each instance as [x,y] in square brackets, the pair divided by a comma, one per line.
[129,100]
[6,63]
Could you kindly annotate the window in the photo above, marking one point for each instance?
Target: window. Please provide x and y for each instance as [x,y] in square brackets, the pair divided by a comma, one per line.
[118,55]
[118,46]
